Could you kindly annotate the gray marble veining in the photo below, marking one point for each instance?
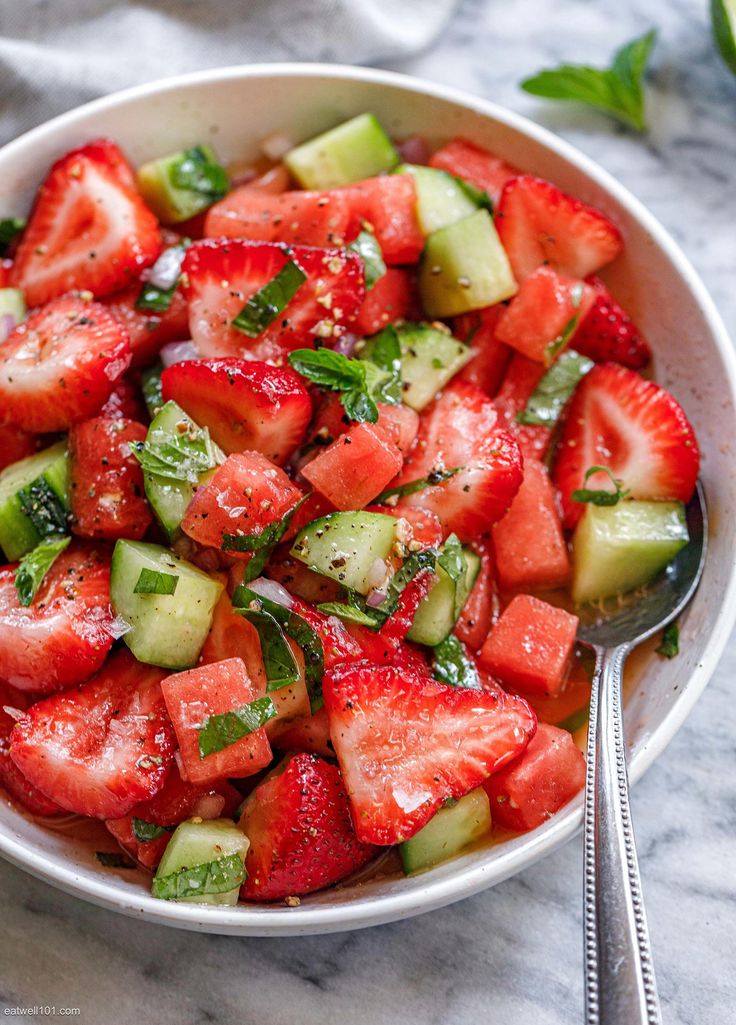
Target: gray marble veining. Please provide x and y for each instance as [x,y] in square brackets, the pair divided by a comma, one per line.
[513,954]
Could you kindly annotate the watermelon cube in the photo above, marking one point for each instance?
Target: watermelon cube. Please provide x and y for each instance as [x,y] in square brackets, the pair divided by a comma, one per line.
[490,356]
[530,648]
[543,310]
[355,468]
[545,776]
[530,549]
[518,386]
[213,689]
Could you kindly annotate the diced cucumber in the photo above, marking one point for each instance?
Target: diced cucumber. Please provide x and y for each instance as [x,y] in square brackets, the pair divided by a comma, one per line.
[169,498]
[452,828]
[430,357]
[151,387]
[34,500]
[346,545]
[439,611]
[441,200]
[13,306]
[197,842]
[180,185]
[617,548]
[356,149]
[465,267]
[166,629]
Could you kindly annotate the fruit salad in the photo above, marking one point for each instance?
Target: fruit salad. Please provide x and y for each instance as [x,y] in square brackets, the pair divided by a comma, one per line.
[307,469]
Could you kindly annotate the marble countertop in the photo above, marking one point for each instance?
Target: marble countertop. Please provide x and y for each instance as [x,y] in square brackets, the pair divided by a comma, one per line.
[512,954]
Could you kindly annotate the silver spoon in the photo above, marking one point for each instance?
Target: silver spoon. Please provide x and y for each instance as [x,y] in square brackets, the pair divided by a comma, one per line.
[620,987]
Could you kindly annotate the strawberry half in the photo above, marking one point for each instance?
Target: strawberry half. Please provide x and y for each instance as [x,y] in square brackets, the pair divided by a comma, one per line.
[60,365]
[301,836]
[221,276]
[608,333]
[539,224]
[89,228]
[99,749]
[636,429]
[247,404]
[476,165]
[405,743]
[11,778]
[460,429]
[149,330]
[64,635]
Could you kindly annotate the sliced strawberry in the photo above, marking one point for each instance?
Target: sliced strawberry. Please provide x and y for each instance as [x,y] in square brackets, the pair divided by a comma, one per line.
[99,749]
[356,466]
[490,356]
[15,444]
[222,276]
[243,497]
[518,386]
[476,165]
[405,743]
[460,429]
[393,297]
[299,218]
[209,690]
[636,429]
[11,778]
[301,837]
[89,229]
[608,333]
[126,400]
[64,635]
[149,329]
[246,404]
[60,365]
[426,528]
[176,801]
[388,205]
[539,224]
[482,607]
[544,313]
[106,480]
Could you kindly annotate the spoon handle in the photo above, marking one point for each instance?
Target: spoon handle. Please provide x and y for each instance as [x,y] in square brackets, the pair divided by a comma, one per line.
[619,975]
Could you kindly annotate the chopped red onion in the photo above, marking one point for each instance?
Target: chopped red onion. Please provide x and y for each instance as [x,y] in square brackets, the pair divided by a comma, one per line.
[272,590]
[376,598]
[8,324]
[414,150]
[376,576]
[276,145]
[165,271]
[346,343]
[14,713]
[178,352]
[209,806]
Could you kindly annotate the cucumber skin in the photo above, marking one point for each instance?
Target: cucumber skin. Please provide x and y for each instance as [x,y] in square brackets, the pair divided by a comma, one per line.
[359,537]
[448,832]
[171,204]
[193,843]
[356,149]
[167,630]
[18,533]
[438,613]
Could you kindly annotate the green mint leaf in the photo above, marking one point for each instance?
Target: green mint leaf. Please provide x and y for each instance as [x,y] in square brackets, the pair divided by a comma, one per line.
[250,604]
[262,544]
[411,487]
[617,90]
[10,227]
[558,344]
[723,17]
[329,369]
[151,388]
[349,613]
[600,496]
[382,358]
[416,563]
[154,581]
[44,508]
[278,659]
[177,455]
[367,247]
[551,395]
[220,731]
[114,859]
[34,566]
[197,171]
[145,831]
[478,196]
[670,645]
[451,665]
[218,876]
[269,302]
[153,298]
[359,406]
[452,559]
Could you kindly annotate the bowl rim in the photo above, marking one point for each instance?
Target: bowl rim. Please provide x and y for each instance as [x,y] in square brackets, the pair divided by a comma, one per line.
[269,921]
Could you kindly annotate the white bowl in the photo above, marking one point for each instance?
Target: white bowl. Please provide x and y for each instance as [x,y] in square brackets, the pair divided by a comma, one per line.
[232,109]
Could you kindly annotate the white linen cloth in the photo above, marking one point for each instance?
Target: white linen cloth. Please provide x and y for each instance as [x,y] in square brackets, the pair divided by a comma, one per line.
[56,54]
